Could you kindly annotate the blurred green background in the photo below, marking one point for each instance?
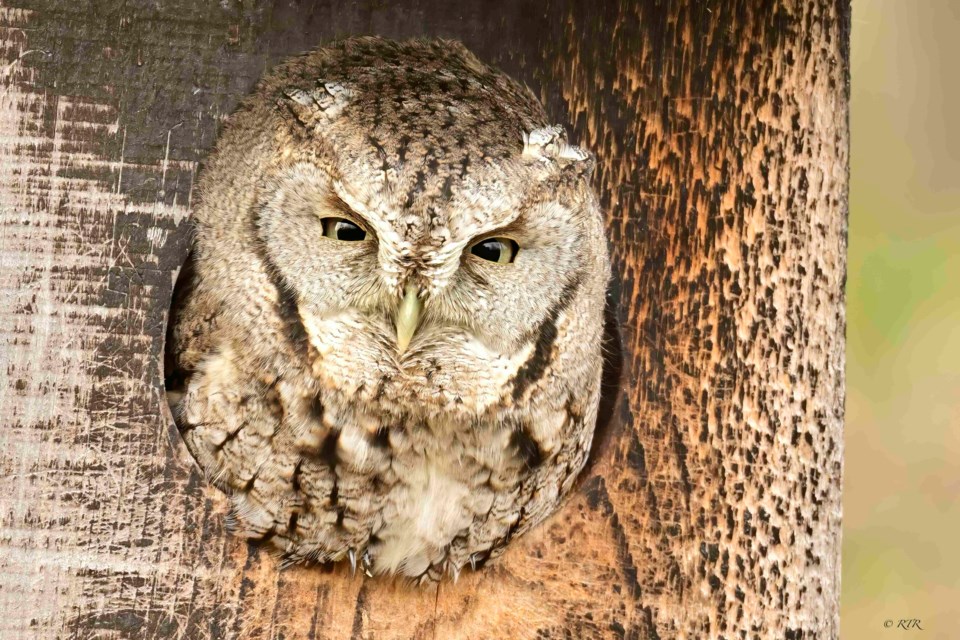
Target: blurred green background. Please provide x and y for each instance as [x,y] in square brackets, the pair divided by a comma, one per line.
[901,532]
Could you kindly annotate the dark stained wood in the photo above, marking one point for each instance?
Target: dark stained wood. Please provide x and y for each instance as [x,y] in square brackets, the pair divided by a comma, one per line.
[711,508]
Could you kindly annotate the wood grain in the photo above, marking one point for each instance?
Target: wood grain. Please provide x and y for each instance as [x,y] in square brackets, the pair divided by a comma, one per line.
[711,508]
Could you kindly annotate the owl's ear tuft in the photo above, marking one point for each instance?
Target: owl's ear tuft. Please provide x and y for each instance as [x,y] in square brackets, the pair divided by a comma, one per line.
[324,102]
[580,160]
[544,143]
[550,144]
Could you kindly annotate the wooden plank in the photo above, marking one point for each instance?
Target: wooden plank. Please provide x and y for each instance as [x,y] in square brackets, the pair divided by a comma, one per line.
[712,504]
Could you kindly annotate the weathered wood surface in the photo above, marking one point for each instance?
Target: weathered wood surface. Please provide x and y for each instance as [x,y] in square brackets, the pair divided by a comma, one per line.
[712,507]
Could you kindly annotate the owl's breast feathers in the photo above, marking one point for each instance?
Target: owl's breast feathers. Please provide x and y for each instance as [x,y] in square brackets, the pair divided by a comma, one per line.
[326,477]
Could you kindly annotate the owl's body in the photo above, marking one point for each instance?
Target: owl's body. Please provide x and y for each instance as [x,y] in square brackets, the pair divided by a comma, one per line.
[336,438]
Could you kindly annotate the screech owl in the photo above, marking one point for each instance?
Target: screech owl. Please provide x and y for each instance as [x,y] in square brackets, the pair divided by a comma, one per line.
[388,347]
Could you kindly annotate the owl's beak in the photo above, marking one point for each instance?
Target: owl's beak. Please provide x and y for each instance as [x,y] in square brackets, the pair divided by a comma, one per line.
[408,316]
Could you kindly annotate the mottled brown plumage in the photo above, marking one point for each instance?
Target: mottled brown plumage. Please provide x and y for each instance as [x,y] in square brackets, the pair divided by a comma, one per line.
[288,379]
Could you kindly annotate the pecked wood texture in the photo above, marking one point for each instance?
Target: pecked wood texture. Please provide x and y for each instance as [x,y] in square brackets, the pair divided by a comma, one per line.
[712,506]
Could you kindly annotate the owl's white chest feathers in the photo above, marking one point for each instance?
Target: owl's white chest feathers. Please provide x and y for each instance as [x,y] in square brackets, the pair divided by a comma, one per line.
[422,515]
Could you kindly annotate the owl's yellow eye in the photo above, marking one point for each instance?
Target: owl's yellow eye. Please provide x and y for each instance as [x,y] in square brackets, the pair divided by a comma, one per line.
[343,229]
[499,250]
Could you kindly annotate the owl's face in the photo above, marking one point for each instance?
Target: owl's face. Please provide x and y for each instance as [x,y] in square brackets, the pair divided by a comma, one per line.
[433,230]
[418,282]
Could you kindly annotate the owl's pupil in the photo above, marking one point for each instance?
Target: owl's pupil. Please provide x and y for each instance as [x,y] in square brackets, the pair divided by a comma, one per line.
[350,232]
[500,250]
[342,229]
[488,250]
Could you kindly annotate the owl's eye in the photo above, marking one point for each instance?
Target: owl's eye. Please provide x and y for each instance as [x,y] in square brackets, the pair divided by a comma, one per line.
[343,229]
[499,250]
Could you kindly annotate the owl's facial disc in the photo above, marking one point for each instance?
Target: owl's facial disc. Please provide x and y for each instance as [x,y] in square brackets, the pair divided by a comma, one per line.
[444,298]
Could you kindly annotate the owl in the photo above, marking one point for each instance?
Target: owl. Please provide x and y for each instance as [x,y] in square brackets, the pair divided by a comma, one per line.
[386,347]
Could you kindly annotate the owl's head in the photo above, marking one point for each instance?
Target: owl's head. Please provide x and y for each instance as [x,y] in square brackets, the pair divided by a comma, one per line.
[438,240]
